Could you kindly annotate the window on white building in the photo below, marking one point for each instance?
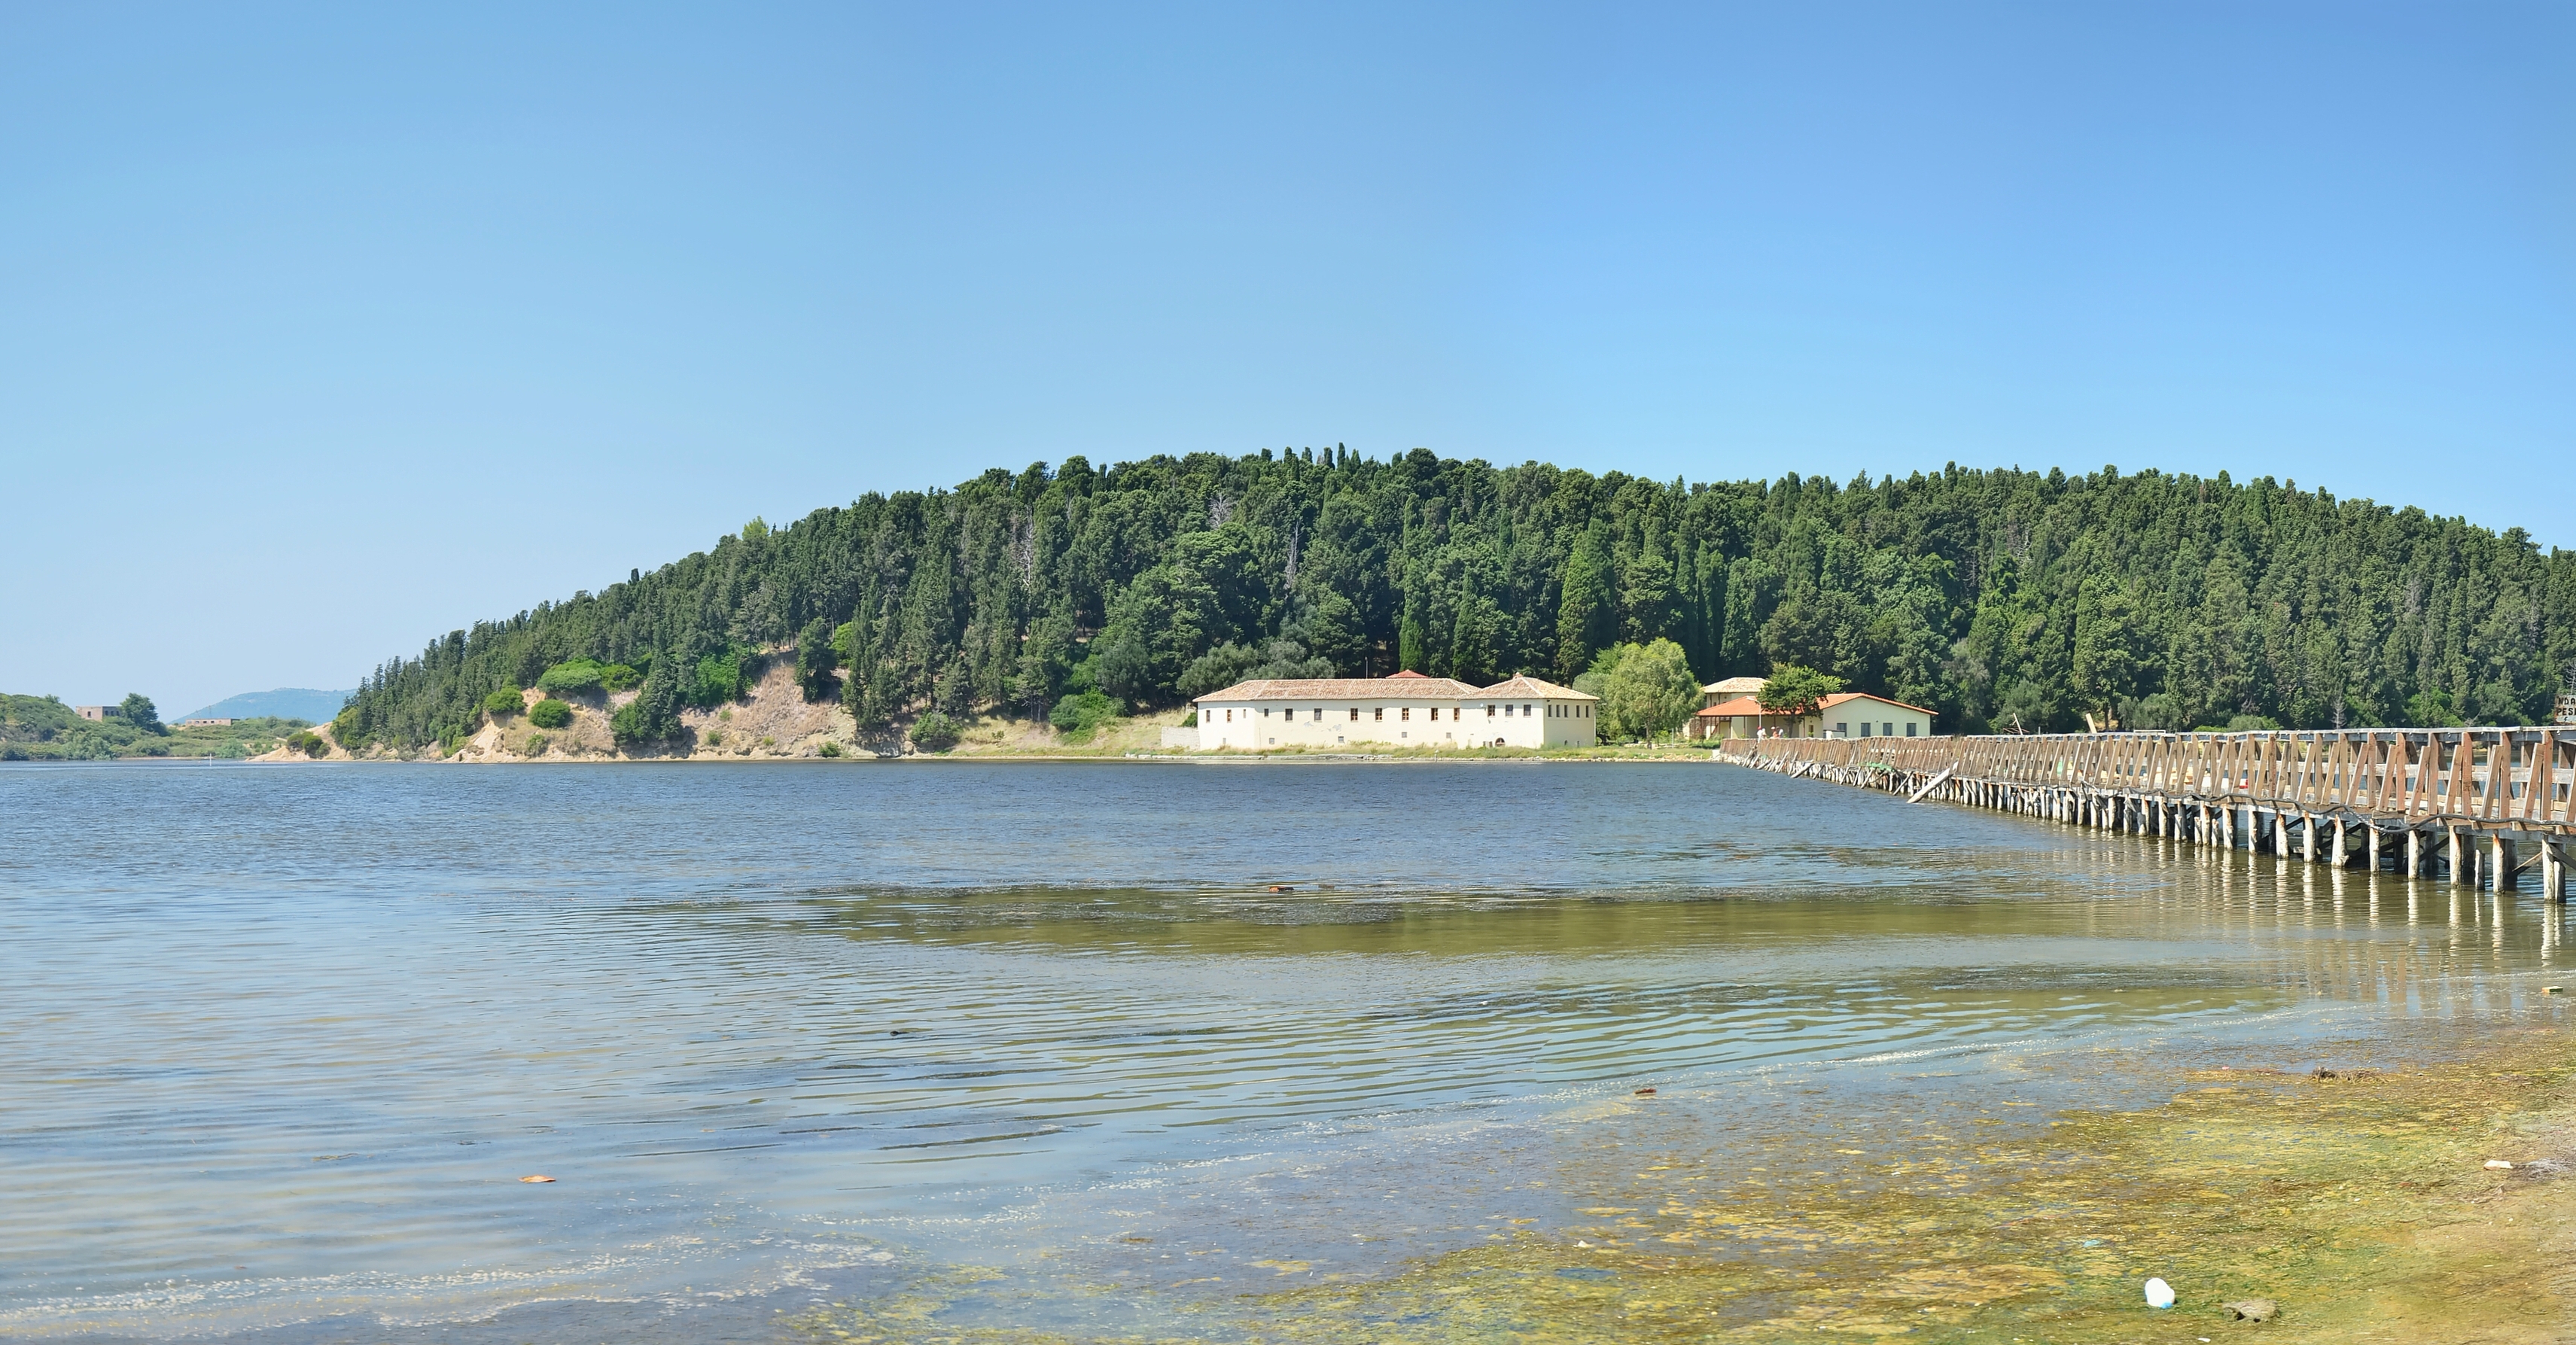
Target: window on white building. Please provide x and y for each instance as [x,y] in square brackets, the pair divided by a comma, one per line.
[1909,729]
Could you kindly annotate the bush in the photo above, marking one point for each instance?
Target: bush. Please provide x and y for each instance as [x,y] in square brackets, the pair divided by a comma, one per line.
[503,703]
[549,714]
[715,737]
[310,744]
[619,677]
[724,676]
[1077,716]
[535,746]
[935,732]
[572,677]
[830,749]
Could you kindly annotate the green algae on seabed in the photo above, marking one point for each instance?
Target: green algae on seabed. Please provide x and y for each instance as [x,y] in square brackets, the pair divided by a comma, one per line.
[2360,1202]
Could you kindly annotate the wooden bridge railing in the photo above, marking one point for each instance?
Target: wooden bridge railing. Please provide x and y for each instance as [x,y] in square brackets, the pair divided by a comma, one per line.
[2518,778]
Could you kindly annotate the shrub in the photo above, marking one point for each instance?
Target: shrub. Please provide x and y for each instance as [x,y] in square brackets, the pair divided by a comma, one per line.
[935,732]
[830,749]
[572,677]
[724,676]
[619,677]
[1078,715]
[13,752]
[715,738]
[503,703]
[310,744]
[549,714]
[536,745]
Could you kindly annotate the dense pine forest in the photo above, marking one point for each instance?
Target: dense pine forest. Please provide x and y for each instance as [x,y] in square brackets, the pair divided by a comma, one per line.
[1999,599]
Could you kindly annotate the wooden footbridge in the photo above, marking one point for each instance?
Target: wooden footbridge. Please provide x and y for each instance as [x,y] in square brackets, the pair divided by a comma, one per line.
[2475,807]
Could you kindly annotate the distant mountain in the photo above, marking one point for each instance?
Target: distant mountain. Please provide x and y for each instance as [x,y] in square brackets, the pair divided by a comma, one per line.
[284,703]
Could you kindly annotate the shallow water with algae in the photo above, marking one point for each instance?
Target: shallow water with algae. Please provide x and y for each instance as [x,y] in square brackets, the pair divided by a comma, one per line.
[1159,1051]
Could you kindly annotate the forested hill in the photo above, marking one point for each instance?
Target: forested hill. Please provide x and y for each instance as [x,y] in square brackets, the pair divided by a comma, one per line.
[1992,597]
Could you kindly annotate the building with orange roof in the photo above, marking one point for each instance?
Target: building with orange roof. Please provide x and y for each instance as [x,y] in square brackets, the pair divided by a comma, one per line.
[1845,714]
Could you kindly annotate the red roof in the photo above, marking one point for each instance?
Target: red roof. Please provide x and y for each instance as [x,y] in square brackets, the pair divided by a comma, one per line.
[1747,705]
[1407,673]
[1839,697]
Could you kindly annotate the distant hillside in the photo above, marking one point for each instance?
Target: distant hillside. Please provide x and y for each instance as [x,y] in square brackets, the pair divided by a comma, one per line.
[1994,598]
[43,728]
[284,703]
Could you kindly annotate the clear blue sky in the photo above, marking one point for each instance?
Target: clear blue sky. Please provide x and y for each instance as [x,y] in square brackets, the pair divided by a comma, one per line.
[326,330]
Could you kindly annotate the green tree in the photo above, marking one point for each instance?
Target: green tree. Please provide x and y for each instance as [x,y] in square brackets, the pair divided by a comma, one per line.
[654,714]
[1648,691]
[2107,661]
[816,660]
[137,709]
[1796,691]
[935,732]
[502,703]
[550,714]
[1586,613]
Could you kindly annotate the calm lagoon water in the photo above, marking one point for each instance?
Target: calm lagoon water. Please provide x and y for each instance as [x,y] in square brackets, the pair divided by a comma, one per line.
[277,1043]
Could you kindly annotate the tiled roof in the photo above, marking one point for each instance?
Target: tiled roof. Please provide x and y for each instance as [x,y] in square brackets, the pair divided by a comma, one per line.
[1734,686]
[1839,697]
[1411,686]
[1344,688]
[1526,685]
[1746,705]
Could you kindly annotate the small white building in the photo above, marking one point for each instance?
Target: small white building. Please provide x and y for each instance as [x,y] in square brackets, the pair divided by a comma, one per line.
[1845,714]
[1406,710]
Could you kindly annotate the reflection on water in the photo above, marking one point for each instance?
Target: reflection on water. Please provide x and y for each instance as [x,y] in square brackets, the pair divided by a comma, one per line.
[280,1042]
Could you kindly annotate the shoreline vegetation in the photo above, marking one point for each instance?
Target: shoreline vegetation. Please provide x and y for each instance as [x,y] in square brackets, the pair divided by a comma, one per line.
[766,717]
[2361,1203]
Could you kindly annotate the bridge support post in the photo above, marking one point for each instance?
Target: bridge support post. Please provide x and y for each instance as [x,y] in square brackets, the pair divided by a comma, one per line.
[2501,862]
[2464,864]
[2339,854]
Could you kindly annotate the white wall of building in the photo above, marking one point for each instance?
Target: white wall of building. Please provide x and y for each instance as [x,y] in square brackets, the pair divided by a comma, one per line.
[1870,717]
[1267,725]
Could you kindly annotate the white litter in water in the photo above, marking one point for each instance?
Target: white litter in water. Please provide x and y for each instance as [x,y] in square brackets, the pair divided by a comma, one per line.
[2159,1294]
[2500,1164]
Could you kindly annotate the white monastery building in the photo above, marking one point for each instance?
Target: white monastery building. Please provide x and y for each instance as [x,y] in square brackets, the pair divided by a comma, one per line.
[1406,710]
